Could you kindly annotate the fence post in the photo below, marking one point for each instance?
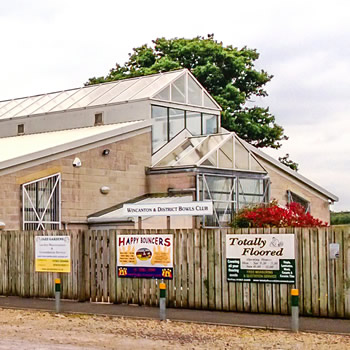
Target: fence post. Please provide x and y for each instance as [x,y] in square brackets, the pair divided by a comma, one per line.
[58,294]
[162,298]
[295,309]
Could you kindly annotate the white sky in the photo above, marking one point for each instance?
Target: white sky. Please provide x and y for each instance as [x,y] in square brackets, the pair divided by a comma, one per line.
[50,45]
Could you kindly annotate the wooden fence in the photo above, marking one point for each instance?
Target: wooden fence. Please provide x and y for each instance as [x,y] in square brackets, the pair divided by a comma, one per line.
[199,272]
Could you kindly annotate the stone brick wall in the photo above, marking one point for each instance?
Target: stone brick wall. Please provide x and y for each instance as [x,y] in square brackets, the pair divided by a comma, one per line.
[282,182]
[160,183]
[123,171]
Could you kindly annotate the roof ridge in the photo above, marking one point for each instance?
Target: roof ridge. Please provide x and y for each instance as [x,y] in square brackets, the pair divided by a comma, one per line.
[87,86]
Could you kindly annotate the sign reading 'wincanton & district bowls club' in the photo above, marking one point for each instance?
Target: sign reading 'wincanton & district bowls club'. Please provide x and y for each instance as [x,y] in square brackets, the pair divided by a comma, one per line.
[260,258]
[169,209]
[145,256]
[52,254]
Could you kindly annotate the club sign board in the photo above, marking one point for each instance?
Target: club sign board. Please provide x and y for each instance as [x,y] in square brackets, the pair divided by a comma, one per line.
[52,254]
[145,256]
[169,209]
[265,258]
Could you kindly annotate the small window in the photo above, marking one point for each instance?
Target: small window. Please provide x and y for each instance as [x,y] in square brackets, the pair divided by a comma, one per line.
[41,201]
[98,119]
[292,197]
[20,129]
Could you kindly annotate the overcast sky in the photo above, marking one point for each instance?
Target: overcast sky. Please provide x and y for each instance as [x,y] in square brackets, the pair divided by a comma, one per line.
[50,45]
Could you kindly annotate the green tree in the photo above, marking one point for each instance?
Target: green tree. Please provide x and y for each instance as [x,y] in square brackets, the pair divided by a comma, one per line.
[288,162]
[226,72]
[340,218]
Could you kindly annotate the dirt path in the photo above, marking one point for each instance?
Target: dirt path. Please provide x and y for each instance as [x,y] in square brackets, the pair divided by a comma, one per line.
[44,331]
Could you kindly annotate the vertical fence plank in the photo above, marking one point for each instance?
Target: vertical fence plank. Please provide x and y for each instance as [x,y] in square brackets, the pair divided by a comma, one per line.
[306,272]
[112,266]
[26,267]
[171,283]
[197,270]
[218,269]
[347,271]
[315,289]
[331,277]
[322,271]
[191,262]
[93,267]
[211,270]
[225,284]
[204,269]
[105,263]
[81,266]
[184,271]
[339,274]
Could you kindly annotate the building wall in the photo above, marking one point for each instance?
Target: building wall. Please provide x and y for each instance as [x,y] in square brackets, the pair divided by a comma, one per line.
[123,170]
[161,183]
[281,182]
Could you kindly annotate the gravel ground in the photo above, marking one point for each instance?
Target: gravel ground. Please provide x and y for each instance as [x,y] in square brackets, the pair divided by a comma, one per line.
[45,331]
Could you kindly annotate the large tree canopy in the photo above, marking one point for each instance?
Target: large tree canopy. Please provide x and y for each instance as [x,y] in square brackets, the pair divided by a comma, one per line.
[226,72]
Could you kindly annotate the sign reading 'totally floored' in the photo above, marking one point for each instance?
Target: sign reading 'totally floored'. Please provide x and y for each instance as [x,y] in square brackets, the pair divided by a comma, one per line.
[260,258]
[52,254]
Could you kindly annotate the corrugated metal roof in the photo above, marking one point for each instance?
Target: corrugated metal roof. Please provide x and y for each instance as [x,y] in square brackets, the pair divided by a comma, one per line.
[19,149]
[88,96]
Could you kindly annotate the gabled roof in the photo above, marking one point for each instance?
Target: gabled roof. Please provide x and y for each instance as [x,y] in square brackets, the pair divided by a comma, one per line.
[291,172]
[17,150]
[224,151]
[126,90]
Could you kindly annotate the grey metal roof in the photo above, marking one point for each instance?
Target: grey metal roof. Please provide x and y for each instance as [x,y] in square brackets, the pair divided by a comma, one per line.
[25,148]
[133,89]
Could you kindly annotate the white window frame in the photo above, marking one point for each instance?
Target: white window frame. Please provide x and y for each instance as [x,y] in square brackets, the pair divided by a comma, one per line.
[41,224]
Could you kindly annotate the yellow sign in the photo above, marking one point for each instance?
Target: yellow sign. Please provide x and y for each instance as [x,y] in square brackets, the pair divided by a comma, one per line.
[52,265]
[52,254]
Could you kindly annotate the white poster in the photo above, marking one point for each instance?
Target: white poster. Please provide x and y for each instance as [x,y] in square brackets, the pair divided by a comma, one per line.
[260,258]
[52,254]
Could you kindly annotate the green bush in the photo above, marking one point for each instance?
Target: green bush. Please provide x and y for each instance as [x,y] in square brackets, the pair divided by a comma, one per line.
[340,218]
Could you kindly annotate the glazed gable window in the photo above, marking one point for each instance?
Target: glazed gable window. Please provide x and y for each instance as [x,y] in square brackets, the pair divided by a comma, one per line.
[168,122]
[41,204]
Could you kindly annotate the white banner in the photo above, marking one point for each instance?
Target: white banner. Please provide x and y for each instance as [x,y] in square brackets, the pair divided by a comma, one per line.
[170,209]
[260,252]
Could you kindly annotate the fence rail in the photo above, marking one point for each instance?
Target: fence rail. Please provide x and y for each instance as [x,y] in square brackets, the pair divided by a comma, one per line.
[199,272]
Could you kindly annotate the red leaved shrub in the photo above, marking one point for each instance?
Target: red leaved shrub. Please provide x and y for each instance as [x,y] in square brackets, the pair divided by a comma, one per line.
[272,215]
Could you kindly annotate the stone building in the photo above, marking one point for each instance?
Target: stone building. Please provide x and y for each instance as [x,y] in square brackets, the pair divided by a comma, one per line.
[71,158]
